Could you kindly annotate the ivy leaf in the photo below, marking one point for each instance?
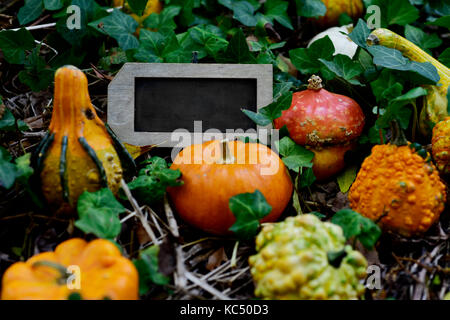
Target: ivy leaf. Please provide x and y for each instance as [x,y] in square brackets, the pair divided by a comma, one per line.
[89,11]
[441,22]
[393,59]
[23,168]
[7,122]
[271,112]
[14,44]
[343,67]
[355,225]
[164,19]
[30,11]
[360,34]
[397,110]
[210,38]
[420,38]
[294,155]
[384,84]
[248,208]
[98,212]
[277,10]
[120,26]
[36,74]
[53,4]
[137,6]
[7,169]
[306,60]
[444,57]
[151,184]
[310,8]
[346,178]
[237,50]
[148,268]
[187,17]
[307,178]
[281,88]
[244,12]
[399,12]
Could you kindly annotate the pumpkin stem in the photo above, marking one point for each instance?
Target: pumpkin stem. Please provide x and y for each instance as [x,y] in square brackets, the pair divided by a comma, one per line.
[61,269]
[315,83]
[226,156]
[398,137]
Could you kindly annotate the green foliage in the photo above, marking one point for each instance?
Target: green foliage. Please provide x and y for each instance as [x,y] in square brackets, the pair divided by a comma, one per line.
[273,111]
[37,75]
[293,155]
[152,181]
[15,44]
[356,226]
[30,11]
[422,39]
[148,268]
[393,59]
[397,110]
[445,57]
[310,8]
[343,67]
[120,26]
[398,12]
[99,213]
[248,208]
[137,6]
[307,60]
[346,178]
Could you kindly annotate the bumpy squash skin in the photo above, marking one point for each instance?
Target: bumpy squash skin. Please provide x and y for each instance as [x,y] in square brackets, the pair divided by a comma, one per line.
[75,122]
[354,8]
[202,200]
[435,103]
[105,273]
[441,145]
[399,189]
[291,262]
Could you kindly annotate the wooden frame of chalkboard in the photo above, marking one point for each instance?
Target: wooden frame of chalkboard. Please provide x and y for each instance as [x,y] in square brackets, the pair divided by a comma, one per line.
[134,107]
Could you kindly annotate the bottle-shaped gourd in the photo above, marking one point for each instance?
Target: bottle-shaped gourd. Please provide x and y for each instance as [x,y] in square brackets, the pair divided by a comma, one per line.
[435,106]
[79,153]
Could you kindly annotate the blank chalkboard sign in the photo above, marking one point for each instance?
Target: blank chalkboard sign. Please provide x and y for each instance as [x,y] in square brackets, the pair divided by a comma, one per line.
[148,102]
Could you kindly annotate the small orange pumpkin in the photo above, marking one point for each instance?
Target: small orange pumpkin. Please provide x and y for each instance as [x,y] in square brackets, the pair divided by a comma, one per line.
[215,171]
[398,188]
[98,271]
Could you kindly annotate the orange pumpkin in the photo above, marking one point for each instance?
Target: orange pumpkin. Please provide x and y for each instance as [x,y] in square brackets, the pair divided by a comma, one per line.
[215,171]
[398,188]
[103,274]
[354,8]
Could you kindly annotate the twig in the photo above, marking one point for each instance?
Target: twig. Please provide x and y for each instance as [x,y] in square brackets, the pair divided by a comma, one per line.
[206,287]
[234,254]
[139,213]
[180,278]
[171,218]
[52,24]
